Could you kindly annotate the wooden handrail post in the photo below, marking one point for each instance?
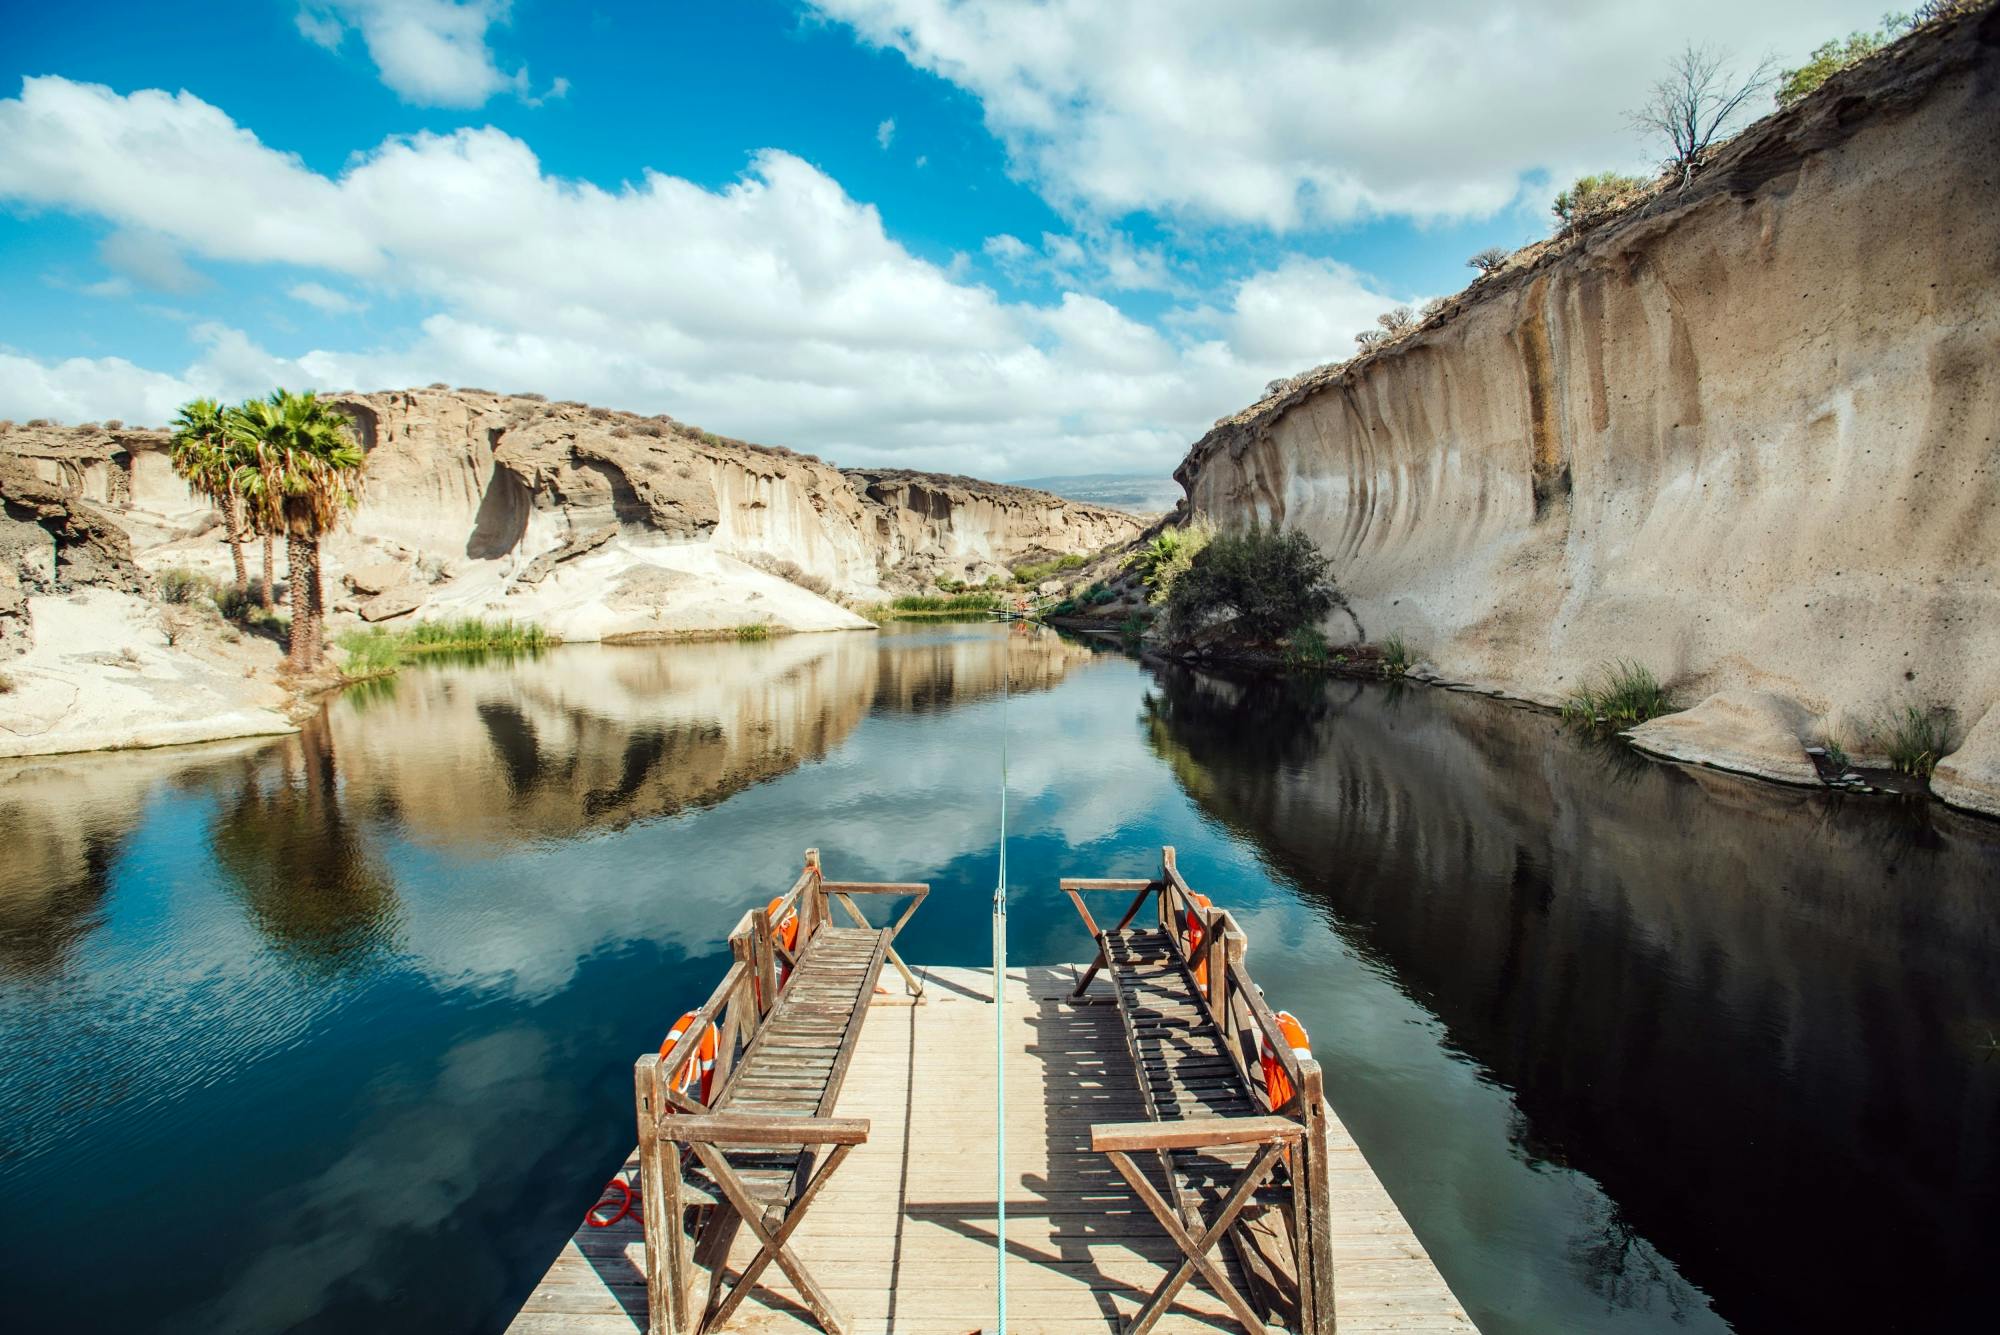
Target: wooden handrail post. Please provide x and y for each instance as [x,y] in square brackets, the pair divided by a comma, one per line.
[668,1311]
[1316,1304]
[764,950]
[743,947]
[818,914]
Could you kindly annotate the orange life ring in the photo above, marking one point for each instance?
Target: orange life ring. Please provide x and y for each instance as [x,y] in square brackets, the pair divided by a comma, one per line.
[1276,1082]
[1195,937]
[699,1070]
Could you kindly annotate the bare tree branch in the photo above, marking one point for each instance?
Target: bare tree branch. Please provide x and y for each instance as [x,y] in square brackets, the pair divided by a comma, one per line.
[1698,100]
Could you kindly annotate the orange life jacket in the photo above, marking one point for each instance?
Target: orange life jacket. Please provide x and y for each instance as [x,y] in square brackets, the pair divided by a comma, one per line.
[1275,1080]
[698,1072]
[1195,937]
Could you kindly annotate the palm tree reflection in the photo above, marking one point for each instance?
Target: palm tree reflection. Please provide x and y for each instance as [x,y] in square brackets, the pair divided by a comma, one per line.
[303,869]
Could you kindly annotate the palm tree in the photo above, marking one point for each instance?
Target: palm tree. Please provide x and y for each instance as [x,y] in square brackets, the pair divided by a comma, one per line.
[203,452]
[303,475]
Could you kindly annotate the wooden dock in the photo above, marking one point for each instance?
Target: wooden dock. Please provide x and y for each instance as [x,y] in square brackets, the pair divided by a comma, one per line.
[903,1237]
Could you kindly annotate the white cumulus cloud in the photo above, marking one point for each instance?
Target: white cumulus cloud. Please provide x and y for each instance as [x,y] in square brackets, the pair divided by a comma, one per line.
[433,53]
[1288,113]
[776,307]
[321,297]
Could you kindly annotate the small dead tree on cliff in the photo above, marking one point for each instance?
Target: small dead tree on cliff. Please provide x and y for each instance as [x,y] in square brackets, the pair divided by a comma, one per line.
[1398,321]
[1697,100]
[1489,260]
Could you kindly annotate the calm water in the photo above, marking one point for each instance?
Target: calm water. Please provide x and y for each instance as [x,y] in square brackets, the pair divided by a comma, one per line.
[335,1033]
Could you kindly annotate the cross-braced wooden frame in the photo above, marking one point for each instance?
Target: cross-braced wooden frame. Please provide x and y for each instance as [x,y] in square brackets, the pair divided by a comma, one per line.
[771,1224]
[1196,1238]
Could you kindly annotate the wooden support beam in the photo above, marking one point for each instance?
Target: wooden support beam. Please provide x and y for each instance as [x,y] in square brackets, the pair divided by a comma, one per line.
[1193,1133]
[744,1128]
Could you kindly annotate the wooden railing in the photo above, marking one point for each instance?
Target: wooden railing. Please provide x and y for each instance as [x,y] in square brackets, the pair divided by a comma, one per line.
[1236,1006]
[679,1299]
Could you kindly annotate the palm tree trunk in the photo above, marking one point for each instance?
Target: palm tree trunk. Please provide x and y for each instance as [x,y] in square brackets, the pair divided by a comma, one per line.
[315,603]
[299,640]
[269,542]
[232,515]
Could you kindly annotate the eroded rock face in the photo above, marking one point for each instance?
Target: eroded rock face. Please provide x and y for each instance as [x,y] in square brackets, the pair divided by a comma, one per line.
[505,505]
[496,476]
[1747,435]
[51,541]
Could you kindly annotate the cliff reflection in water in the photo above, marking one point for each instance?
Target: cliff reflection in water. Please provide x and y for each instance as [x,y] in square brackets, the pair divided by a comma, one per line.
[1765,1021]
[600,736]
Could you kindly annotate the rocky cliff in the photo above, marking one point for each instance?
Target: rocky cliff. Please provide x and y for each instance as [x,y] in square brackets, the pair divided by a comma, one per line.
[1747,433]
[596,524]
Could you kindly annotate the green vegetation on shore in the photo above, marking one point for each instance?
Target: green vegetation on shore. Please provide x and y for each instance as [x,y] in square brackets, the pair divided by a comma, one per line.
[1915,738]
[1623,695]
[940,606]
[379,650]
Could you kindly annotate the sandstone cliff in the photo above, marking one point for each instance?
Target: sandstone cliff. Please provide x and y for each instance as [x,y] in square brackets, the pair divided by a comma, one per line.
[593,523]
[1747,434]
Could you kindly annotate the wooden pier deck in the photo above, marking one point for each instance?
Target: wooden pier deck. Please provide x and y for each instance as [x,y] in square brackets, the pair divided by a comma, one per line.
[903,1238]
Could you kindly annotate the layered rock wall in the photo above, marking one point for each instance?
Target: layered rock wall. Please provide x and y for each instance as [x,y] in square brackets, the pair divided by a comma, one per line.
[1747,435]
[594,523]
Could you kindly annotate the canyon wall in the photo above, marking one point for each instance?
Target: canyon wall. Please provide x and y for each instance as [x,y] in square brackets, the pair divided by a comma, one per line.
[1746,434]
[593,523]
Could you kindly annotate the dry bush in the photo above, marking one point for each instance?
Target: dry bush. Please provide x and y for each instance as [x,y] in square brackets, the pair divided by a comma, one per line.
[791,571]
[533,398]
[620,432]
[114,424]
[1489,260]
[1432,307]
[647,429]
[437,384]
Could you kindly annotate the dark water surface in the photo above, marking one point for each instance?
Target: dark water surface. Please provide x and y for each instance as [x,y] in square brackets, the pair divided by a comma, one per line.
[335,1033]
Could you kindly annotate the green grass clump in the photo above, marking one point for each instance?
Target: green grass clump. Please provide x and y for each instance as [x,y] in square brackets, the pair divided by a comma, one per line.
[756,630]
[1306,650]
[378,650]
[1624,694]
[946,602]
[1396,656]
[1915,738]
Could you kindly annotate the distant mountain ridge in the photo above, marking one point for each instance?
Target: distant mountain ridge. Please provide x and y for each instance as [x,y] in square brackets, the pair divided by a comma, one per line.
[1135,493]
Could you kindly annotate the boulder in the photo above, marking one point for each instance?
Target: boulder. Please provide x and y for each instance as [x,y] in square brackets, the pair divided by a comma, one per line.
[1970,776]
[400,601]
[1751,732]
[378,578]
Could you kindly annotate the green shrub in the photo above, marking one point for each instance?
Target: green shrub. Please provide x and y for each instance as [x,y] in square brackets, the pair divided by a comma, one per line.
[1592,196]
[756,630]
[1624,694]
[1259,584]
[1825,62]
[1133,628]
[184,586]
[1036,572]
[235,603]
[1164,558]
[1915,738]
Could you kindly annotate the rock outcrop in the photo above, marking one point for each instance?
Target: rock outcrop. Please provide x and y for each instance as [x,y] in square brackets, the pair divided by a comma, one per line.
[593,523]
[1746,434]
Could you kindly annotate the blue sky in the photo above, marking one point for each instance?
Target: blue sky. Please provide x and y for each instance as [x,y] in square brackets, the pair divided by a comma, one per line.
[1012,239]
